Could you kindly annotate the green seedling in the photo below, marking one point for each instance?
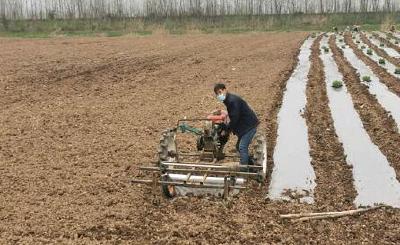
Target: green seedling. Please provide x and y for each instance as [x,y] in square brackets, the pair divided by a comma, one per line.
[396,42]
[341,40]
[326,50]
[363,47]
[313,35]
[354,37]
[358,42]
[369,51]
[381,45]
[343,46]
[382,61]
[397,71]
[366,79]
[337,84]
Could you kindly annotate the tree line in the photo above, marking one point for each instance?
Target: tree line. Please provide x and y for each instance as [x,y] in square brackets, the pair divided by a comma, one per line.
[94,9]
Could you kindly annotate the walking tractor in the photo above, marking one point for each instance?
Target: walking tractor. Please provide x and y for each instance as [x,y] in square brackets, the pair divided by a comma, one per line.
[209,170]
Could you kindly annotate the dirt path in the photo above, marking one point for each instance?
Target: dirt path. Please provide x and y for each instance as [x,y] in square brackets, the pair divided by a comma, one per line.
[334,176]
[380,126]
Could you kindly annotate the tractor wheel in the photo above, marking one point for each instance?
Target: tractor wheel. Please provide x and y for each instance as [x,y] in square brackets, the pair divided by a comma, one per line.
[167,149]
[260,154]
[167,190]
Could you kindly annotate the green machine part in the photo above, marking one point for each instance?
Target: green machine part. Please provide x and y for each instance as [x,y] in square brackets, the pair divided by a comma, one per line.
[184,127]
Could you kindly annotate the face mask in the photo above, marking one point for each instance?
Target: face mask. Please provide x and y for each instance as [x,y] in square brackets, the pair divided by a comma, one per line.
[221,97]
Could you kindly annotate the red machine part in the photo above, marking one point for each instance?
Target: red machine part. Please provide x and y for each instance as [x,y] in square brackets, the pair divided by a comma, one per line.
[218,116]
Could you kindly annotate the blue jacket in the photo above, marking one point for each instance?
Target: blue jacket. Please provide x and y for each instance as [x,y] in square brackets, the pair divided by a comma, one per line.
[242,117]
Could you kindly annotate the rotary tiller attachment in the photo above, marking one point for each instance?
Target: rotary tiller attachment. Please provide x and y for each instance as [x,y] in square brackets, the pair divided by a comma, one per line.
[208,172]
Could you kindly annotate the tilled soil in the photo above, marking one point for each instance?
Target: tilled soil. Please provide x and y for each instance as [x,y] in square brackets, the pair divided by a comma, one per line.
[80,114]
[380,126]
[385,77]
[334,176]
[379,51]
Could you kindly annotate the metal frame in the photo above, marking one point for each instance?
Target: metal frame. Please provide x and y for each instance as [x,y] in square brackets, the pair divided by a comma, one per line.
[202,169]
[177,125]
[188,184]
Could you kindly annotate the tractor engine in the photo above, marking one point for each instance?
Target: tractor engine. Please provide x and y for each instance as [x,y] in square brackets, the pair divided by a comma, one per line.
[216,134]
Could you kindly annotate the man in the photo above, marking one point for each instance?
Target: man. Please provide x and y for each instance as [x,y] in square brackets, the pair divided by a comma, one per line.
[243,121]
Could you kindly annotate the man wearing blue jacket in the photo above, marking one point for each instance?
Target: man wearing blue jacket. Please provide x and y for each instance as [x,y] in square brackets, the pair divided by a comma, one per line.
[243,121]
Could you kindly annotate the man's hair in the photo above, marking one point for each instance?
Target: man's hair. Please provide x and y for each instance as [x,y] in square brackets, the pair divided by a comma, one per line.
[219,86]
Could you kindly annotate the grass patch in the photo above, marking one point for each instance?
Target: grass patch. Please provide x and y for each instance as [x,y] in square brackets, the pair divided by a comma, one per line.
[76,33]
[113,26]
[207,31]
[177,31]
[143,33]
[113,34]
[25,34]
[234,30]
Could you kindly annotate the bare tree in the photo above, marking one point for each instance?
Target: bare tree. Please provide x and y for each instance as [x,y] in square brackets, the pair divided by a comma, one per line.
[375,5]
[278,6]
[321,6]
[389,6]
[3,17]
[100,9]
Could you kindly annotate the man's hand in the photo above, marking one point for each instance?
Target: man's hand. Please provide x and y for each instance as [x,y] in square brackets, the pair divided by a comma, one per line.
[216,112]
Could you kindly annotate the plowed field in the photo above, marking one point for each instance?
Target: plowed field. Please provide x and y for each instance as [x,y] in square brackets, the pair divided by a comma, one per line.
[79,115]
